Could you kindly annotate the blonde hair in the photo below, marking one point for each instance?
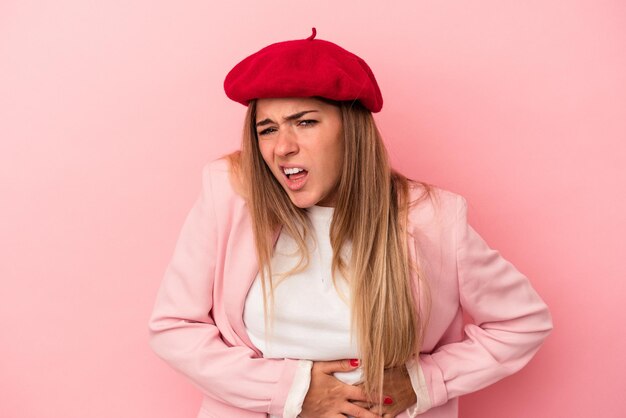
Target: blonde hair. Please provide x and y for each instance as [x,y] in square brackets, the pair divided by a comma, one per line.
[371,211]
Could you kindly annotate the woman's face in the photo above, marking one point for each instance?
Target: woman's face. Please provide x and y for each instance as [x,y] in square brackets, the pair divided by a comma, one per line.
[301,140]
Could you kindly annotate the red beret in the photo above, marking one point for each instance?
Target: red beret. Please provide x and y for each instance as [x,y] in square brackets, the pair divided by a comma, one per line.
[304,68]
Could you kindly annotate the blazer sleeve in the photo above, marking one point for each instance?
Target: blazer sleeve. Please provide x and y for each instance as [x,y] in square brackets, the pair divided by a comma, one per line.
[511,321]
[183,333]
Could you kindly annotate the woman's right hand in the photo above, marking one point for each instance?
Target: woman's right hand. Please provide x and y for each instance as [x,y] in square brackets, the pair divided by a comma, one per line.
[328,397]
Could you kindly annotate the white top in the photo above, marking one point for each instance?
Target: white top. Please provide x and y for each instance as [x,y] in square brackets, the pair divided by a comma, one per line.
[311,320]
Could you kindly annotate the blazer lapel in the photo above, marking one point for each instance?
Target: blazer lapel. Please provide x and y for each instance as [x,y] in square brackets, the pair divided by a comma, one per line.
[247,270]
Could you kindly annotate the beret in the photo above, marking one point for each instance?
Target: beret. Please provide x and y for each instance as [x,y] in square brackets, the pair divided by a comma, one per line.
[304,68]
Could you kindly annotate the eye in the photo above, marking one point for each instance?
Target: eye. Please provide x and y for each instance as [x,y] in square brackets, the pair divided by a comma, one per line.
[307,122]
[266,131]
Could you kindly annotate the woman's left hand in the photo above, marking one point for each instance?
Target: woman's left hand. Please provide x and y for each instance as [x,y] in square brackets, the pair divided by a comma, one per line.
[396,386]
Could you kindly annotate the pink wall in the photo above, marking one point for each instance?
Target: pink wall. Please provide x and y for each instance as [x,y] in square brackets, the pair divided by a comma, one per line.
[108,110]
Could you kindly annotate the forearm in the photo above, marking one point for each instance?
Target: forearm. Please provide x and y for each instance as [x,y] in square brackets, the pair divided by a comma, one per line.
[230,374]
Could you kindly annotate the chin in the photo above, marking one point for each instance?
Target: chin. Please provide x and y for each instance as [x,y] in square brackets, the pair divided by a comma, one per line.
[303,202]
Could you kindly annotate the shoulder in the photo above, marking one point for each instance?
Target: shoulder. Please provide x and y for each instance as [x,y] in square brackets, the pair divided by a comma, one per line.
[434,207]
[219,181]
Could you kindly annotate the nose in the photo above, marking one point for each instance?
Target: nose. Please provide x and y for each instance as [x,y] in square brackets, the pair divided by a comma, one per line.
[287,143]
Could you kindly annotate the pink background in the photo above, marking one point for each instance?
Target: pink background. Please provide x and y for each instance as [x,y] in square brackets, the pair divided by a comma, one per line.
[108,110]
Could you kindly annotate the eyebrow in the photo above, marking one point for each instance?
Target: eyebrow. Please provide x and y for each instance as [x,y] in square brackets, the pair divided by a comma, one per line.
[286,118]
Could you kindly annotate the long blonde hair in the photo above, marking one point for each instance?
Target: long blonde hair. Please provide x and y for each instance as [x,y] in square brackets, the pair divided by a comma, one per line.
[371,211]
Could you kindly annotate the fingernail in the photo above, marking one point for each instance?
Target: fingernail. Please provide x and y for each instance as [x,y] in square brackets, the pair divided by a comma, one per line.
[354,362]
[387,400]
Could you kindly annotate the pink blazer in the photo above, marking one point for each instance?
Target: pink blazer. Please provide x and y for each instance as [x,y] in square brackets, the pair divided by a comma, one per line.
[197,325]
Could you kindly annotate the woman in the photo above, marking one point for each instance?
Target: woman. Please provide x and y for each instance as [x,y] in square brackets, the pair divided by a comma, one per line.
[310,279]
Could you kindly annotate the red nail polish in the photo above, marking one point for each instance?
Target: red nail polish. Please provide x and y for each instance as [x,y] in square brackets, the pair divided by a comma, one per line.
[354,362]
[387,400]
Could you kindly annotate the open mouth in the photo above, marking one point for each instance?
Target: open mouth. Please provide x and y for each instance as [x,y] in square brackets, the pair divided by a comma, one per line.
[296,177]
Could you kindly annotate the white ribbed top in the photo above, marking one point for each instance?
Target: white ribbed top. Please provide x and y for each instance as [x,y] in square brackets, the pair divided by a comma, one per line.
[311,321]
